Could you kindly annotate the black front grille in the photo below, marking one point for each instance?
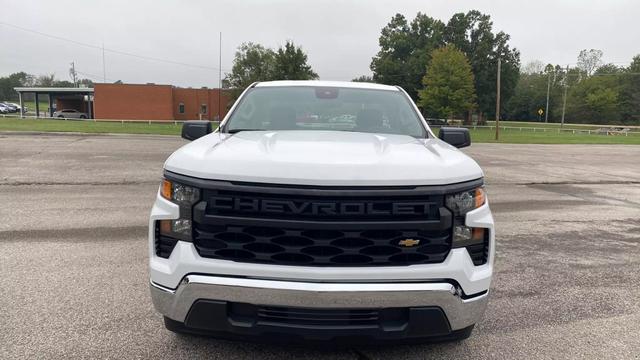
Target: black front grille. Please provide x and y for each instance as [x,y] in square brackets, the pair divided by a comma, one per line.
[308,226]
[318,317]
[326,324]
[322,207]
[320,247]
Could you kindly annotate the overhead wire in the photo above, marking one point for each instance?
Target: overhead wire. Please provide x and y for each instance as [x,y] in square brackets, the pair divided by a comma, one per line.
[113,51]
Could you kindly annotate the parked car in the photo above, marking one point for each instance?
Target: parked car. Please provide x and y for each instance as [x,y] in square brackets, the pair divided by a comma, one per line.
[70,114]
[374,229]
[5,109]
[17,106]
[11,107]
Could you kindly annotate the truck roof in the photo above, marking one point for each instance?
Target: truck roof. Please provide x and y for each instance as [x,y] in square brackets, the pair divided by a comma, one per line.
[343,84]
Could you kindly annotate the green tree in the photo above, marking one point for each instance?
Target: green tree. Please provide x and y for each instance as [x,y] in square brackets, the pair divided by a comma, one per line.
[594,100]
[63,84]
[473,34]
[363,78]
[606,94]
[530,94]
[602,100]
[252,62]
[22,79]
[290,63]
[405,48]
[14,80]
[608,69]
[85,83]
[630,93]
[46,80]
[449,88]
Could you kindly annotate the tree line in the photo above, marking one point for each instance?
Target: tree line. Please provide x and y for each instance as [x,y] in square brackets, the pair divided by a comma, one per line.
[450,70]
[23,79]
[406,51]
[254,62]
[596,92]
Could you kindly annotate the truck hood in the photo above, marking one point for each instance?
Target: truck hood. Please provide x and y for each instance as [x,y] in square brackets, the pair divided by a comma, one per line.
[323,158]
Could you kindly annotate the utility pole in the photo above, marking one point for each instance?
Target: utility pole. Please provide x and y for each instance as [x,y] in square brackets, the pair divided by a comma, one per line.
[220,77]
[498,102]
[73,74]
[104,66]
[564,98]
[546,109]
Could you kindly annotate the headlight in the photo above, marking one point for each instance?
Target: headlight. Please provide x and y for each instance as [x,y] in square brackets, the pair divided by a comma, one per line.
[180,194]
[185,196]
[462,203]
[474,239]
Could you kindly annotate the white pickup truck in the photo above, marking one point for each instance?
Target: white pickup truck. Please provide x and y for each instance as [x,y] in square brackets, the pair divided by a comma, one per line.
[322,211]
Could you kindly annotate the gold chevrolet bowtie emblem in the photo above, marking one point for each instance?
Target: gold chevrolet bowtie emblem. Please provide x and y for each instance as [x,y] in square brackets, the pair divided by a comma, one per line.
[408,242]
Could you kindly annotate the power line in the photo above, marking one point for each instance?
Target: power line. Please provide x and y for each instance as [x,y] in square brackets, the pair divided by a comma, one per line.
[124,53]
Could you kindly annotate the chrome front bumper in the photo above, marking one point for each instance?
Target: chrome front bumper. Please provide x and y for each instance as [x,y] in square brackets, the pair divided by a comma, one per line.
[175,303]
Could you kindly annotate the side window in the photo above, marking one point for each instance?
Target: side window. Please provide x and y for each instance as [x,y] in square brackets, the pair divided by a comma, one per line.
[181,108]
[203,109]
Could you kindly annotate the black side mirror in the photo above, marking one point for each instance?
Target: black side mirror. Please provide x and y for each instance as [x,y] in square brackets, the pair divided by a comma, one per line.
[194,129]
[458,137]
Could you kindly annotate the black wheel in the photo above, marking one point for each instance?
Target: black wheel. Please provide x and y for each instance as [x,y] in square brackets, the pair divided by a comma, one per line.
[82,117]
[61,116]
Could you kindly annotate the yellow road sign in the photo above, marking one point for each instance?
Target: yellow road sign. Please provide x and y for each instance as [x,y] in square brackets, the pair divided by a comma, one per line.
[540,112]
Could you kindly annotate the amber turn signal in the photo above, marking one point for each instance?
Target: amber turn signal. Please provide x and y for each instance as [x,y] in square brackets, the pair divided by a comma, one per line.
[166,189]
[478,234]
[165,227]
[480,197]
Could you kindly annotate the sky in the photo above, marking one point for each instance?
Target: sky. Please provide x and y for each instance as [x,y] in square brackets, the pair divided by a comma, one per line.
[340,37]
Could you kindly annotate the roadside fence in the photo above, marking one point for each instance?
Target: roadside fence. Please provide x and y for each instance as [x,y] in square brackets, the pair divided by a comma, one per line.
[604,130]
[122,121]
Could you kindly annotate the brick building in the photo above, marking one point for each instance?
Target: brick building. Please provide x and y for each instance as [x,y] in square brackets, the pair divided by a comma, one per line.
[157,102]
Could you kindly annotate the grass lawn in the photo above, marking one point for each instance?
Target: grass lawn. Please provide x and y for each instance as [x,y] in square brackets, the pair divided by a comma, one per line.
[525,124]
[16,124]
[31,105]
[550,137]
[479,135]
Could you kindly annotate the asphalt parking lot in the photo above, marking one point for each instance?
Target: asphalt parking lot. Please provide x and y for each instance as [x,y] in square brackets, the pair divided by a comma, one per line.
[73,255]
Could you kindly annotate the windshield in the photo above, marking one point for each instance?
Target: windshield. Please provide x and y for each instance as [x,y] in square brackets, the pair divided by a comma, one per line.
[325,108]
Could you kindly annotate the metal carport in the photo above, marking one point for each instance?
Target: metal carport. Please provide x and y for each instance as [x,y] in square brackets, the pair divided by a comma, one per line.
[83,94]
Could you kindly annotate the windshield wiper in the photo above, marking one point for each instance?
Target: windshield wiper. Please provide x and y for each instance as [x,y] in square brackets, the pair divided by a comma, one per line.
[233,131]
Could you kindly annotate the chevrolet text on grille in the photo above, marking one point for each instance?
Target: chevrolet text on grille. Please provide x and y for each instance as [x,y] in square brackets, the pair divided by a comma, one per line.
[320,207]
